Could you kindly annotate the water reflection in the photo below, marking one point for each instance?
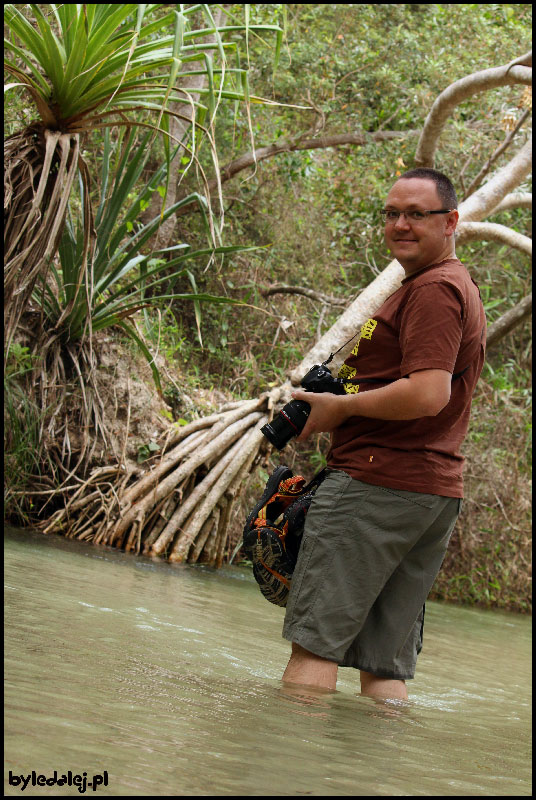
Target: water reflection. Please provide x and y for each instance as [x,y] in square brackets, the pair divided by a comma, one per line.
[306,697]
[169,679]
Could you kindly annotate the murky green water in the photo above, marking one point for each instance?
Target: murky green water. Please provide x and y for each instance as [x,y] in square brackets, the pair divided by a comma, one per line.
[168,678]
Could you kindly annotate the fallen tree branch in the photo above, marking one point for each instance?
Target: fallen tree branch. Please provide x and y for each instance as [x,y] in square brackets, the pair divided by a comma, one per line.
[319,296]
[180,507]
[216,423]
[200,492]
[510,320]
[233,463]
[215,447]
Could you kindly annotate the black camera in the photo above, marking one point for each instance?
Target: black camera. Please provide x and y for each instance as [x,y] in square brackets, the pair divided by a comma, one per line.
[292,418]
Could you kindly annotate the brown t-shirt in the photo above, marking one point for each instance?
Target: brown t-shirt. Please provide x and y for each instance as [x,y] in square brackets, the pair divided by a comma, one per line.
[435,320]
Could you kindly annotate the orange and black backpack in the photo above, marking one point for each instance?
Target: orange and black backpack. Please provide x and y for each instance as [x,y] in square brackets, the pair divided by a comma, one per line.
[274,530]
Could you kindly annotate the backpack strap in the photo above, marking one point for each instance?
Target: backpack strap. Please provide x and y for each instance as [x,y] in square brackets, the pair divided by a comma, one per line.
[286,493]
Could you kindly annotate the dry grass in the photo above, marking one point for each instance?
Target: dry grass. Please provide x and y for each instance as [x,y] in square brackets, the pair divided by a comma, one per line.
[489,558]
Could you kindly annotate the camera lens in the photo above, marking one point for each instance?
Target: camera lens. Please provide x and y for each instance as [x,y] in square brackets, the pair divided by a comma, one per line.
[289,422]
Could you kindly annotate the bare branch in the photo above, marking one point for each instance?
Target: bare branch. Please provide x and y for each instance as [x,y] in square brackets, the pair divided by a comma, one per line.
[459,91]
[492,232]
[251,158]
[525,60]
[322,298]
[513,200]
[514,317]
[289,145]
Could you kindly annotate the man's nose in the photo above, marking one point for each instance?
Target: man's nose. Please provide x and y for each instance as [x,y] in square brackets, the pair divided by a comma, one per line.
[401,222]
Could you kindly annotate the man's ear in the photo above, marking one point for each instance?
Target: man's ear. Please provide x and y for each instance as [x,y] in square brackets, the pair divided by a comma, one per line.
[452,221]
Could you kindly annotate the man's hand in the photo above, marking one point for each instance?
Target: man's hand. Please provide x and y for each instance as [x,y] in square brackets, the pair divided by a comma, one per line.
[328,411]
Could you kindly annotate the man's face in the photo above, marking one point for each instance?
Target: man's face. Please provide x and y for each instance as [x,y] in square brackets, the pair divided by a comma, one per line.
[416,244]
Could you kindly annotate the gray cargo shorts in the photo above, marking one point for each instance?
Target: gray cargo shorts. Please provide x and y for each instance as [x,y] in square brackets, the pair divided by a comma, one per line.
[368,559]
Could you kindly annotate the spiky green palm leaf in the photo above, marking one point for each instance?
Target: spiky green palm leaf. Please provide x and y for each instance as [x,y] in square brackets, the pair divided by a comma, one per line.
[87,62]
[85,66]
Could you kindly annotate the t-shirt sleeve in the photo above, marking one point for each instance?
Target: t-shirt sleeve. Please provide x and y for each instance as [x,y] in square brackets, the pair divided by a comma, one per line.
[431,328]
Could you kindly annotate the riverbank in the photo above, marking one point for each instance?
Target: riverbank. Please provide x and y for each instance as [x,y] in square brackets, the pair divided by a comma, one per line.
[488,563]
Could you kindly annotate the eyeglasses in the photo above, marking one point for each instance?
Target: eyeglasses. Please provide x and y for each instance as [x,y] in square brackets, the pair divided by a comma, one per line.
[389,215]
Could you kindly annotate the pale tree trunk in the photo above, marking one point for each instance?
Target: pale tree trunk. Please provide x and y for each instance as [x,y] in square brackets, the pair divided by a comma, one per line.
[513,200]
[181,507]
[491,232]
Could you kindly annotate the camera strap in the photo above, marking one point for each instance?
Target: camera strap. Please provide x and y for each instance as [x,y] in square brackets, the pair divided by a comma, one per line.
[327,361]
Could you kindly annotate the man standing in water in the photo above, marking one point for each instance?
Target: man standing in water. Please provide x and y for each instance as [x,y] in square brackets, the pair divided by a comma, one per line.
[379,525]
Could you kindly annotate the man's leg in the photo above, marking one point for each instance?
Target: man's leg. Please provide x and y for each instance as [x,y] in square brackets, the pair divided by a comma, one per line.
[306,668]
[386,688]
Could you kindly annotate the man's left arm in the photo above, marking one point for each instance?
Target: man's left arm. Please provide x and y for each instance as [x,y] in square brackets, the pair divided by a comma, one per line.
[423,393]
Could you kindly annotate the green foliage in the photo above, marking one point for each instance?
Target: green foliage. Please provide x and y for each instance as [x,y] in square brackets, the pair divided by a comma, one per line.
[87,67]
[146,451]
[19,361]
[121,279]
[488,562]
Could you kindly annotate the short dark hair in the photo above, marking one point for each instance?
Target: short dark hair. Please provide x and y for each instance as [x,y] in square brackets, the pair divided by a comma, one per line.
[444,186]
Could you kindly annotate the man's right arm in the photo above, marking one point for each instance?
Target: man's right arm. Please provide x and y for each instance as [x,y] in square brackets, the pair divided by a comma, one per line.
[423,393]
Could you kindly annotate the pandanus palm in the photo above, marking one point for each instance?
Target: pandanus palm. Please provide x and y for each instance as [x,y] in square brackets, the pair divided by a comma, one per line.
[90,66]
[87,66]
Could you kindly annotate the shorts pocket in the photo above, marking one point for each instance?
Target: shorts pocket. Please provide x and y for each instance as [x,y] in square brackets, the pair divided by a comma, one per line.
[418,499]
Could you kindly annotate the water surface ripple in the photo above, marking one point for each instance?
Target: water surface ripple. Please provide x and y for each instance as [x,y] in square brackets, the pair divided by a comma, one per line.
[168,678]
